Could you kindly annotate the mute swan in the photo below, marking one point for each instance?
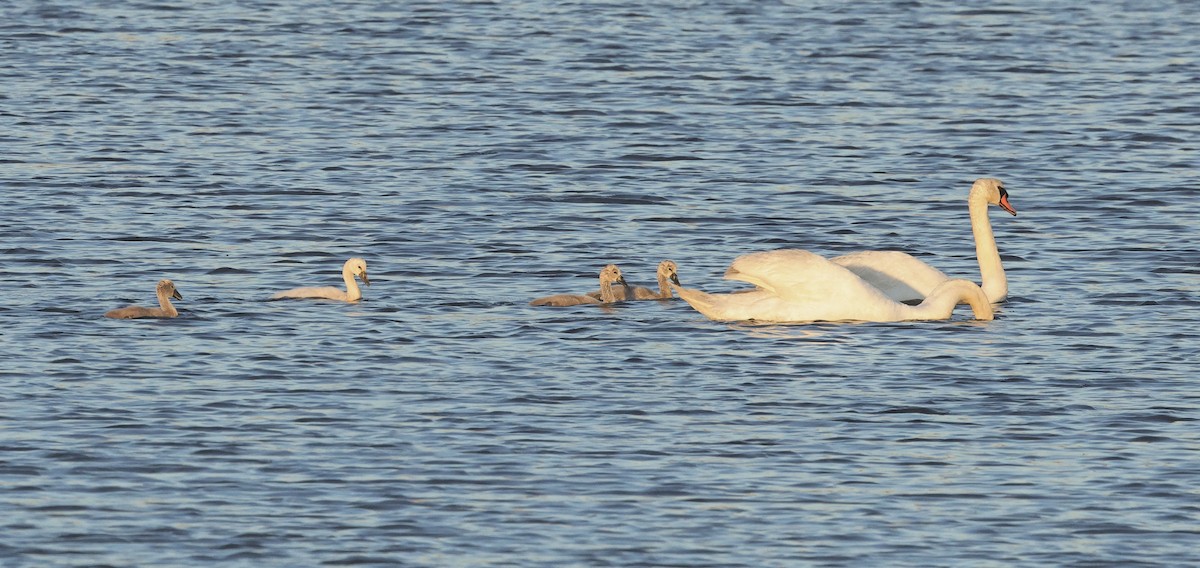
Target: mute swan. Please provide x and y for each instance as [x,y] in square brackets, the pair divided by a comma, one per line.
[903,278]
[609,275]
[667,271]
[799,286]
[166,290]
[353,267]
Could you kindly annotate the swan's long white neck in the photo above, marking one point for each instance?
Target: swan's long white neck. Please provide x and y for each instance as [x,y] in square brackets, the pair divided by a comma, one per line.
[164,302]
[941,301]
[995,283]
[353,293]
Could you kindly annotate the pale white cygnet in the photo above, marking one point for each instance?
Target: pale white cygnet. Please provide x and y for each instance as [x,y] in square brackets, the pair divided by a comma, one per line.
[353,267]
[609,275]
[166,290]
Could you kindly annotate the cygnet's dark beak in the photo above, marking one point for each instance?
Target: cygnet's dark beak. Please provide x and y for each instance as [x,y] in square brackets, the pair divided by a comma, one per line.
[363,275]
[675,279]
[175,294]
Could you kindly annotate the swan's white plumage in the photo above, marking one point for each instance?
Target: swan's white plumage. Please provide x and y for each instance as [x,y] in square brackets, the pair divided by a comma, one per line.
[667,272]
[355,267]
[165,291]
[902,277]
[610,275]
[799,286]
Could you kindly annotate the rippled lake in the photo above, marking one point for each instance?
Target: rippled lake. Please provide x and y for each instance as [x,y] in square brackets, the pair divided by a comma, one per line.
[480,154]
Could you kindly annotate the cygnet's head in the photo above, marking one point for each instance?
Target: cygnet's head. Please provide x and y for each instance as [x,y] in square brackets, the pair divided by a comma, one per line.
[611,275]
[993,190]
[167,288]
[669,270]
[357,267]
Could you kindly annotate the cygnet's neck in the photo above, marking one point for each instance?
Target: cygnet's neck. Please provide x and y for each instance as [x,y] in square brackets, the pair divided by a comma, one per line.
[991,271]
[664,288]
[607,295]
[353,293]
[164,302]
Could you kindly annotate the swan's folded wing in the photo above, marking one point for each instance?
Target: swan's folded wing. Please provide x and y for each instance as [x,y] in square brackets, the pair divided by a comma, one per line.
[799,276]
[773,270]
[900,276]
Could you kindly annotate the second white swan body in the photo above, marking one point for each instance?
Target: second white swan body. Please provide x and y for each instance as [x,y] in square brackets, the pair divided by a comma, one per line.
[903,278]
[799,286]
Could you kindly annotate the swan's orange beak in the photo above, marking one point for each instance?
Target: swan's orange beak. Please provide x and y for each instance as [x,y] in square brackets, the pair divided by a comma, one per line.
[1004,203]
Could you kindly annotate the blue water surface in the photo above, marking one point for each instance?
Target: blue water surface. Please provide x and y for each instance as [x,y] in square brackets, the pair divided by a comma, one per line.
[480,154]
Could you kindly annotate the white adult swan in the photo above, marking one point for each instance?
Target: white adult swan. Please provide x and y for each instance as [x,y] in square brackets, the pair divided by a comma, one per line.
[165,290]
[667,271]
[799,286]
[903,278]
[609,275]
[353,267]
